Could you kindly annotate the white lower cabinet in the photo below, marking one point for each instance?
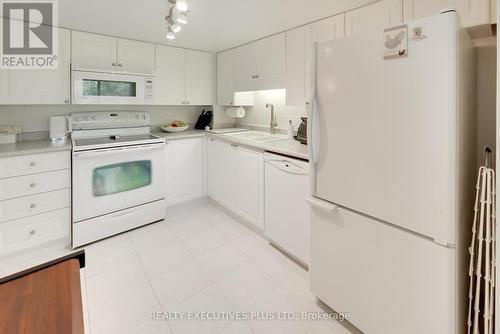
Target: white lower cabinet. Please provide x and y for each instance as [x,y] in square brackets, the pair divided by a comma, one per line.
[184,170]
[236,179]
[35,201]
[250,185]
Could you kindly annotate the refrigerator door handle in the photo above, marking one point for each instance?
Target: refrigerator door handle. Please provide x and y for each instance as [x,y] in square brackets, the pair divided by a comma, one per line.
[315,134]
[320,204]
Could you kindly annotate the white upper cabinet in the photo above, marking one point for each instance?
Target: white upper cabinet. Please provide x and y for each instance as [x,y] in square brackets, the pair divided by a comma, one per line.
[225,78]
[272,57]
[328,29]
[136,56]
[93,50]
[246,62]
[472,12]
[39,86]
[226,95]
[184,76]
[199,78]
[262,64]
[299,49]
[381,14]
[171,81]
[493,11]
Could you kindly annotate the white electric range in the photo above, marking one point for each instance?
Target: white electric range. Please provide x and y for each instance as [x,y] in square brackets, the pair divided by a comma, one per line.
[118,174]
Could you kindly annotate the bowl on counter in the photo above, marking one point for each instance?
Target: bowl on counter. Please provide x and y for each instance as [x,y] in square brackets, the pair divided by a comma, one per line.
[174,128]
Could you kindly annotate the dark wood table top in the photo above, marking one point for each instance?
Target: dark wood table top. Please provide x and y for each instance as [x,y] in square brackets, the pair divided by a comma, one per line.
[45,301]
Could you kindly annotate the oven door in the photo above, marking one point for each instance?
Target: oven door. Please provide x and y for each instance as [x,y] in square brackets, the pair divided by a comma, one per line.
[111,88]
[110,180]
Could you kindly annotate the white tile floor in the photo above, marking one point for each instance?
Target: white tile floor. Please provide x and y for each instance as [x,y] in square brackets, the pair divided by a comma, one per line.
[198,259]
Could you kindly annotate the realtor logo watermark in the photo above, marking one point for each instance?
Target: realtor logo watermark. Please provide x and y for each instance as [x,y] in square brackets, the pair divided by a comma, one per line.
[29,34]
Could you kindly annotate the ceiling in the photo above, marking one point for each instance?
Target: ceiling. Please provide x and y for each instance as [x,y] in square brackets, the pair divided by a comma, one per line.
[214,25]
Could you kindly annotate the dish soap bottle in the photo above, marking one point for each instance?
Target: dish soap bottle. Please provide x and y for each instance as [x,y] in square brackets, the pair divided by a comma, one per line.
[289,129]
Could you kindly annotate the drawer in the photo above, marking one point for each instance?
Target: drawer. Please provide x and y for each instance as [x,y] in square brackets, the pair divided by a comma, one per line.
[34,184]
[33,231]
[35,204]
[34,163]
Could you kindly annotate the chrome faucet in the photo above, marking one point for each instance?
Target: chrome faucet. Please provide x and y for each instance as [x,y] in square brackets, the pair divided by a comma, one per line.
[273,123]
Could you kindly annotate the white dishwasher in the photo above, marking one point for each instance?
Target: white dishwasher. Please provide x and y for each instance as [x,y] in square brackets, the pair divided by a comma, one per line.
[287,219]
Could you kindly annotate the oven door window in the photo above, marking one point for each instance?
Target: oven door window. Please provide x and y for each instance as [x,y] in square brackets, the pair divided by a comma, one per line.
[122,177]
[109,88]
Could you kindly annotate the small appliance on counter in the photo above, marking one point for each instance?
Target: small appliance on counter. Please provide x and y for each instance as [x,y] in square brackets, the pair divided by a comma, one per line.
[302,131]
[8,134]
[59,127]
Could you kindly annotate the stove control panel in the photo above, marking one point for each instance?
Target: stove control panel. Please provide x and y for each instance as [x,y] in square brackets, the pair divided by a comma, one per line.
[110,120]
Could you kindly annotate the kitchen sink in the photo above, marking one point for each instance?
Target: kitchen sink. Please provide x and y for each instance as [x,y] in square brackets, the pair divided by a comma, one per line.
[257,136]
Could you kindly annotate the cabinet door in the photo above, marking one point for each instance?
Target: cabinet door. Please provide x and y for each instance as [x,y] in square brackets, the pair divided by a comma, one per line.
[170,86]
[136,56]
[225,78]
[328,29]
[39,86]
[272,57]
[184,170]
[199,78]
[246,62]
[298,65]
[250,185]
[378,15]
[224,164]
[472,12]
[92,50]
[211,167]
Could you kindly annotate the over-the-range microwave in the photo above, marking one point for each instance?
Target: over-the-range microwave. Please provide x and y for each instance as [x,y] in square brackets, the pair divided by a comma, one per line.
[110,86]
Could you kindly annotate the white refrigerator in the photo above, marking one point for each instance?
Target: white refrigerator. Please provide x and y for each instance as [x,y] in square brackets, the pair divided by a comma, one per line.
[392,152]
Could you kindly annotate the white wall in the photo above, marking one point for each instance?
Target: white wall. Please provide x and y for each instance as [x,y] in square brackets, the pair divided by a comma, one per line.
[486,99]
[259,116]
[36,118]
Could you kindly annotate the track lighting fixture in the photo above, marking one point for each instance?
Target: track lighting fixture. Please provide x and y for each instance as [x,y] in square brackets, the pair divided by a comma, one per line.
[170,34]
[181,7]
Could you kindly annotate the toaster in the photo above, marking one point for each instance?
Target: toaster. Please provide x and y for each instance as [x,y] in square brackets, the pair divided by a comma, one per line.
[302,131]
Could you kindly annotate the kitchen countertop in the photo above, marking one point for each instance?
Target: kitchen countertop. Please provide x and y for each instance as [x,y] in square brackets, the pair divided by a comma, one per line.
[33,147]
[180,135]
[289,147]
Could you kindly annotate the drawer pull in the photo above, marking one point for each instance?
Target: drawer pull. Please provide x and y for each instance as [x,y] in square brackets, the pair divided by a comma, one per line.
[33,164]
[32,232]
[33,185]
[32,206]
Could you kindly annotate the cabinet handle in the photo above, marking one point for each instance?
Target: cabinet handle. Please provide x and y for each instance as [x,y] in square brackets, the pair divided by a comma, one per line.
[32,164]
[231,103]
[114,64]
[256,77]
[188,102]
[32,185]
[120,64]
[32,232]
[32,206]
[183,102]
[67,101]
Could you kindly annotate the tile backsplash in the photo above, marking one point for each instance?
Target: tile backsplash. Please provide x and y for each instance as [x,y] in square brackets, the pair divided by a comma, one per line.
[35,118]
